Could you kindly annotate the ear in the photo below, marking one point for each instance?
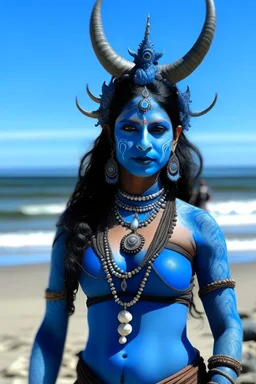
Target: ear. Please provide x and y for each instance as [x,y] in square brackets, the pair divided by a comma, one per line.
[176,139]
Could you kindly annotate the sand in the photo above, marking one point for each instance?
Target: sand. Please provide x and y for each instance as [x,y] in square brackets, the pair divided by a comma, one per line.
[22,309]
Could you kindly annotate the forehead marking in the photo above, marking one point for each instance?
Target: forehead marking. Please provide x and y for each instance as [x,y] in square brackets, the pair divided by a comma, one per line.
[132,112]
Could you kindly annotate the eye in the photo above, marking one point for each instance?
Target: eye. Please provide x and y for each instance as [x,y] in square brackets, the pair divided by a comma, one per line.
[129,128]
[159,129]
[147,55]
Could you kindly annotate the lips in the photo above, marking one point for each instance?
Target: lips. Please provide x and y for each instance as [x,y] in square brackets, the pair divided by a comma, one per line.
[143,160]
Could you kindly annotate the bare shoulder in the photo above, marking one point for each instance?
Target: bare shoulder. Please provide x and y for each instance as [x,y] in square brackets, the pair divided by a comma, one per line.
[190,215]
[184,208]
[184,233]
[195,216]
[204,228]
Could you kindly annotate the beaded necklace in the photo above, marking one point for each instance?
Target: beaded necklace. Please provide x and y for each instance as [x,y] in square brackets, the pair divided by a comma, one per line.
[141,198]
[134,242]
[102,248]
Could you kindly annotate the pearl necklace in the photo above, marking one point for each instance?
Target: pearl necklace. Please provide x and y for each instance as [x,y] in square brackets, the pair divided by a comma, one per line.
[141,198]
[125,317]
[103,250]
[113,267]
[134,242]
[138,209]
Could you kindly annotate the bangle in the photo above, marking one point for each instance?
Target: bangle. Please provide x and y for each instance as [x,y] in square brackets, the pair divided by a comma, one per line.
[227,283]
[224,374]
[226,361]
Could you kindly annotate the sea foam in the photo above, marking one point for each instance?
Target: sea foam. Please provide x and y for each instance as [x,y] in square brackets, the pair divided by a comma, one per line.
[45,239]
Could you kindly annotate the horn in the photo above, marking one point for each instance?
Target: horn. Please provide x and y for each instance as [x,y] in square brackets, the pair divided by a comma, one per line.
[109,59]
[183,67]
[94,98]
[197,114]
[132,53]
[93,115]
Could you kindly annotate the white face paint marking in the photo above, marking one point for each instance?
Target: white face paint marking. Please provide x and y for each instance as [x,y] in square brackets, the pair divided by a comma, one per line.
[123,146]
[165,147]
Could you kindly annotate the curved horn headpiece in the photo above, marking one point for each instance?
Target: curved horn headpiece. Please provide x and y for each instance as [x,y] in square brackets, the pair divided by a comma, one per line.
[94,98]
[183,67]
[175,72]
[93,115]
[198,114]
[109,59]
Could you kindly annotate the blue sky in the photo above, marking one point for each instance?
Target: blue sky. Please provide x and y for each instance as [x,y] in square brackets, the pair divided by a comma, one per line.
[46,61]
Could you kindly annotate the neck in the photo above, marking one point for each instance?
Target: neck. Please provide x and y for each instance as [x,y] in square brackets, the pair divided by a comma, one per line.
[138,185]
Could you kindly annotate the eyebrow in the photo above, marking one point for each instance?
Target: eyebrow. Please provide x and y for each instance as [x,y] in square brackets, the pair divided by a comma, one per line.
[140,122]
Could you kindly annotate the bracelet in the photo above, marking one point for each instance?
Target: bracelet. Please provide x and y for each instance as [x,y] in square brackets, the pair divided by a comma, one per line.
[54,296]
[227,283]
[226,361]
[224,374]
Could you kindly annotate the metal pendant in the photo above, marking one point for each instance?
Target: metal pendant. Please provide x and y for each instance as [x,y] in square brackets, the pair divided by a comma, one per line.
[145,104]
[132,243]
[135,223]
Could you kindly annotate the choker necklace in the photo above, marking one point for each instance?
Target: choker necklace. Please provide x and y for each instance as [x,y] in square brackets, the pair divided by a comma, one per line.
[134,242]
[102,248]
[138,208]
[141,198]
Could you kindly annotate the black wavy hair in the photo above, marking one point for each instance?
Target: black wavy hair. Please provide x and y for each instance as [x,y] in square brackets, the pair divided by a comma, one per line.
[86,207]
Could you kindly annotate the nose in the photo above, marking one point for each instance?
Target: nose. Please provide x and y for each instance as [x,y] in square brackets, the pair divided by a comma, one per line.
[144,144]
[145,148]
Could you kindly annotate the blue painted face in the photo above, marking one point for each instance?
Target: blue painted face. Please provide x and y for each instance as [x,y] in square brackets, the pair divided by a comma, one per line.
[143,139]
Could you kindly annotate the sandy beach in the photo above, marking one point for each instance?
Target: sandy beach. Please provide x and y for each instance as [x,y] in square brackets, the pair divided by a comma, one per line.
[22,310]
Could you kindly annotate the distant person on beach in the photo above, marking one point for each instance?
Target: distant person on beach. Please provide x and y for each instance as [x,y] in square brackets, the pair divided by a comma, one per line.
[131,241]
[202,197]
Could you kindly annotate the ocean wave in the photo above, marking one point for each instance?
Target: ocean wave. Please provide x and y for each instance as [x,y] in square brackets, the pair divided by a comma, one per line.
[236,220]
[26,239]
[242,207]
[236,245]
[43,209]
[45,239]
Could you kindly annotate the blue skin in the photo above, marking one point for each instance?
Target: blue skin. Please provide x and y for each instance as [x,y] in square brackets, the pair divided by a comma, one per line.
[158,346]
[136,138]
[49,343]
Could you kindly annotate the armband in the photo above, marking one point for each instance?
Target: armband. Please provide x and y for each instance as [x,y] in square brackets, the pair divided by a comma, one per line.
[54,296]
[226,361]
[227,283]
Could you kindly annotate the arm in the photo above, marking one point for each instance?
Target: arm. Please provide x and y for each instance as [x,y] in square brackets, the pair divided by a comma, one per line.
[49,342]
[219,304]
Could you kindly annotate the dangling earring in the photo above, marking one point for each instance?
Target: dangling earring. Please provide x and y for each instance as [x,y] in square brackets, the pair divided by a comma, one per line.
[173,168]
[111,170]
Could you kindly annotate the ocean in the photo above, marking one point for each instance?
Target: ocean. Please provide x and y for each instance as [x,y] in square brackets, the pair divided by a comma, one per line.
[30,206]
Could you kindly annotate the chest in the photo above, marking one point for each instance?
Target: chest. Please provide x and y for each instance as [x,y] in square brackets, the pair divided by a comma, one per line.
[170,275]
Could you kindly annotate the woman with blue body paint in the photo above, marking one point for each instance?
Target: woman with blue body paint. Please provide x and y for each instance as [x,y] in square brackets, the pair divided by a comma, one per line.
[132,241]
